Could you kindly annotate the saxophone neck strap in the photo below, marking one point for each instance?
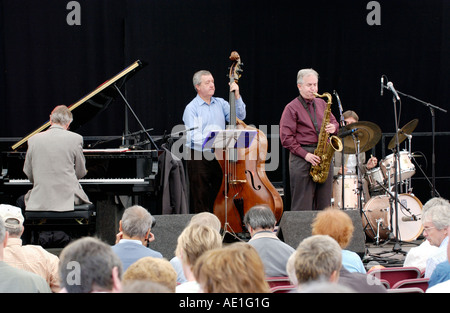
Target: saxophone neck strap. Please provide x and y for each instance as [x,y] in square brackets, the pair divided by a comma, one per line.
[313,120]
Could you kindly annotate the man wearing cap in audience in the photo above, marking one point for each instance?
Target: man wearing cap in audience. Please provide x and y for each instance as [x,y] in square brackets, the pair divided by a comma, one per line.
[13,280]
[31,258]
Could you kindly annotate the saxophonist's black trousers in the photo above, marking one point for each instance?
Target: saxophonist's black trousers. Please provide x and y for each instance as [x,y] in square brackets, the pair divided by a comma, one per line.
[307,195]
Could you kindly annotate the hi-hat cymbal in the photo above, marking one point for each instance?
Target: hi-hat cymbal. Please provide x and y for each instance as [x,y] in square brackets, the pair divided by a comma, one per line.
[367,133]
[405,130]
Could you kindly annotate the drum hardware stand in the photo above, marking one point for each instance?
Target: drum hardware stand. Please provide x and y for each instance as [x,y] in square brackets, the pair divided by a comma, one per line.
[425,175]
[377,237]
[360,188]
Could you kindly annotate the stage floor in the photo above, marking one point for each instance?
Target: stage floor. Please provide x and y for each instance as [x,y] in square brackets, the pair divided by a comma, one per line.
[388,254]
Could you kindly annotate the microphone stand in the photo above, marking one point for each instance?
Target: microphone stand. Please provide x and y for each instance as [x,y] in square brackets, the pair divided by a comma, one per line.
[397,246]
[342,152]
[433,125]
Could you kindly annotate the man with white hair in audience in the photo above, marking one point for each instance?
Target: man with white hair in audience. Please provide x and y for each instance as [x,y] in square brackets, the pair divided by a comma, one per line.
[418,256]
[436,221]
[445,285]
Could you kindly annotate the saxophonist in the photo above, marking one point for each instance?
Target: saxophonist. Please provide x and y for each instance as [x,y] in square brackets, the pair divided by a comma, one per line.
[300,126]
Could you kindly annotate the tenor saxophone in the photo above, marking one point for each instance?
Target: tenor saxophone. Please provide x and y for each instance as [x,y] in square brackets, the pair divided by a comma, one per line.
[326,146]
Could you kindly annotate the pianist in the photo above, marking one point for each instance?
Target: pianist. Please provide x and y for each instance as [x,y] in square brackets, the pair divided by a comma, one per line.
[54,163]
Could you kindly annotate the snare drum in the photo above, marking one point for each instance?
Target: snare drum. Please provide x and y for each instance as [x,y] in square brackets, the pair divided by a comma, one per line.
[375,176]
[406,170]
[377,218]
[350,192]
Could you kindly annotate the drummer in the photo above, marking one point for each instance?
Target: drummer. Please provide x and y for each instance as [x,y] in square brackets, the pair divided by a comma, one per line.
[350,161]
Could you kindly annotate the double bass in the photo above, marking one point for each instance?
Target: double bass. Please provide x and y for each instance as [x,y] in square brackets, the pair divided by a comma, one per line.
[245,183]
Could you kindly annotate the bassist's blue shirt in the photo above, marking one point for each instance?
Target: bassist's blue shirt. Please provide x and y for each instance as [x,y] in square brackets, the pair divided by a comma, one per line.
[208,117]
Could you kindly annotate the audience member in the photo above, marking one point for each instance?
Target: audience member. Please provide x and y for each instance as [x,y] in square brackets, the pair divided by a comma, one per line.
[192,243]
[235,268]
[135,234]
[156,270]
[354,281]
[202,218]
[443,286]
[317,258]
[339,226]
[32,258]
[325,287]
[436,221]
[418,256]
[440,274]
[14,280]
[260,222]
[290,269]
[360,282]
[144,286]
[89,265]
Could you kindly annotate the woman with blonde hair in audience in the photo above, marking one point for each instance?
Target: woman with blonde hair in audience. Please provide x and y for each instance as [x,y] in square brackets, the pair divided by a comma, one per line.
[236,268]
[157,270]
[192,243]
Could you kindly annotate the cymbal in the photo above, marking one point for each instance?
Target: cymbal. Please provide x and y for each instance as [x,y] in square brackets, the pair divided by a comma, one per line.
[405,130]
[367,133]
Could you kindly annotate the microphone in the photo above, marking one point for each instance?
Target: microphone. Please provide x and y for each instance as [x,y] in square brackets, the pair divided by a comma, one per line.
[347,132]
[382,85]
[340,108]
[409,218]
[391,87]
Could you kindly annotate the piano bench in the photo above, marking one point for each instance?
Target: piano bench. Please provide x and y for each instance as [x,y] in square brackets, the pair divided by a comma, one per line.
[82,217]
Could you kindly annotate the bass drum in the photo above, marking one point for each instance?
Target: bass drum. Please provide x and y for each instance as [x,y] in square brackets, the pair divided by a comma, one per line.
[376,218]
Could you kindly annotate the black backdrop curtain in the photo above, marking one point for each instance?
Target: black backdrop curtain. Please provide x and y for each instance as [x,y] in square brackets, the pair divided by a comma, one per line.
[45,62]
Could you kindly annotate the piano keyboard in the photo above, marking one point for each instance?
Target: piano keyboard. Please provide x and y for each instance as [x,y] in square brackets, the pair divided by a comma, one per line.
[89,181]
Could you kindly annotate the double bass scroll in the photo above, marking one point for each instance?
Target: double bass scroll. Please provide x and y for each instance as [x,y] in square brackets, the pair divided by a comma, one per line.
[245,183]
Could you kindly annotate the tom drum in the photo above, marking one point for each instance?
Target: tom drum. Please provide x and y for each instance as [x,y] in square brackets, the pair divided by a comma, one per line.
[350,185]
[406,170]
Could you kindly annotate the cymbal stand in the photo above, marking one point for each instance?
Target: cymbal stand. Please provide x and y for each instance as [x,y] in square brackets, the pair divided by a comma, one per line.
[360,188]
[408,182]
[394,199]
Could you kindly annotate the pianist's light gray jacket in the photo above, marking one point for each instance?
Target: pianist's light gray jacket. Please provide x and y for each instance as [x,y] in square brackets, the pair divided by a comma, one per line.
[54,163]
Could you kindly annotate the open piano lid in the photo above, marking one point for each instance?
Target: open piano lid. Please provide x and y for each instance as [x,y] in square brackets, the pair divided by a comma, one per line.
[93,103]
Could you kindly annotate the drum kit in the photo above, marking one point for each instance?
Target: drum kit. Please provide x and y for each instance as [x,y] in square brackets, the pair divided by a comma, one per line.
[384,211]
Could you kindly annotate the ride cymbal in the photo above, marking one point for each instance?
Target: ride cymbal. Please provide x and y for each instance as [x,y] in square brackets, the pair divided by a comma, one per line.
[405,130]
[367,133]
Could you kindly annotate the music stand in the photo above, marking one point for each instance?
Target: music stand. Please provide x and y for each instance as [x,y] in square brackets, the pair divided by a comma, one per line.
[229,140]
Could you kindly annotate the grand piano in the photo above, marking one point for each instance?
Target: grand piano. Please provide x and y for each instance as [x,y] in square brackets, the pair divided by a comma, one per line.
[113,173]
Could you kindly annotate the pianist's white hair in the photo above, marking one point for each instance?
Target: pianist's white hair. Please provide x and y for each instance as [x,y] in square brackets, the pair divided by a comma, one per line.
[61,115]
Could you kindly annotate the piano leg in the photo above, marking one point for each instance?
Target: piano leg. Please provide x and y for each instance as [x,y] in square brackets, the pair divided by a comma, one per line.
[109,213]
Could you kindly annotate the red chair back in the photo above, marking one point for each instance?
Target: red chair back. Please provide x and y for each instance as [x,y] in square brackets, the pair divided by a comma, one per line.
[283,289]
[421,283]
[396,274]
[278,281]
